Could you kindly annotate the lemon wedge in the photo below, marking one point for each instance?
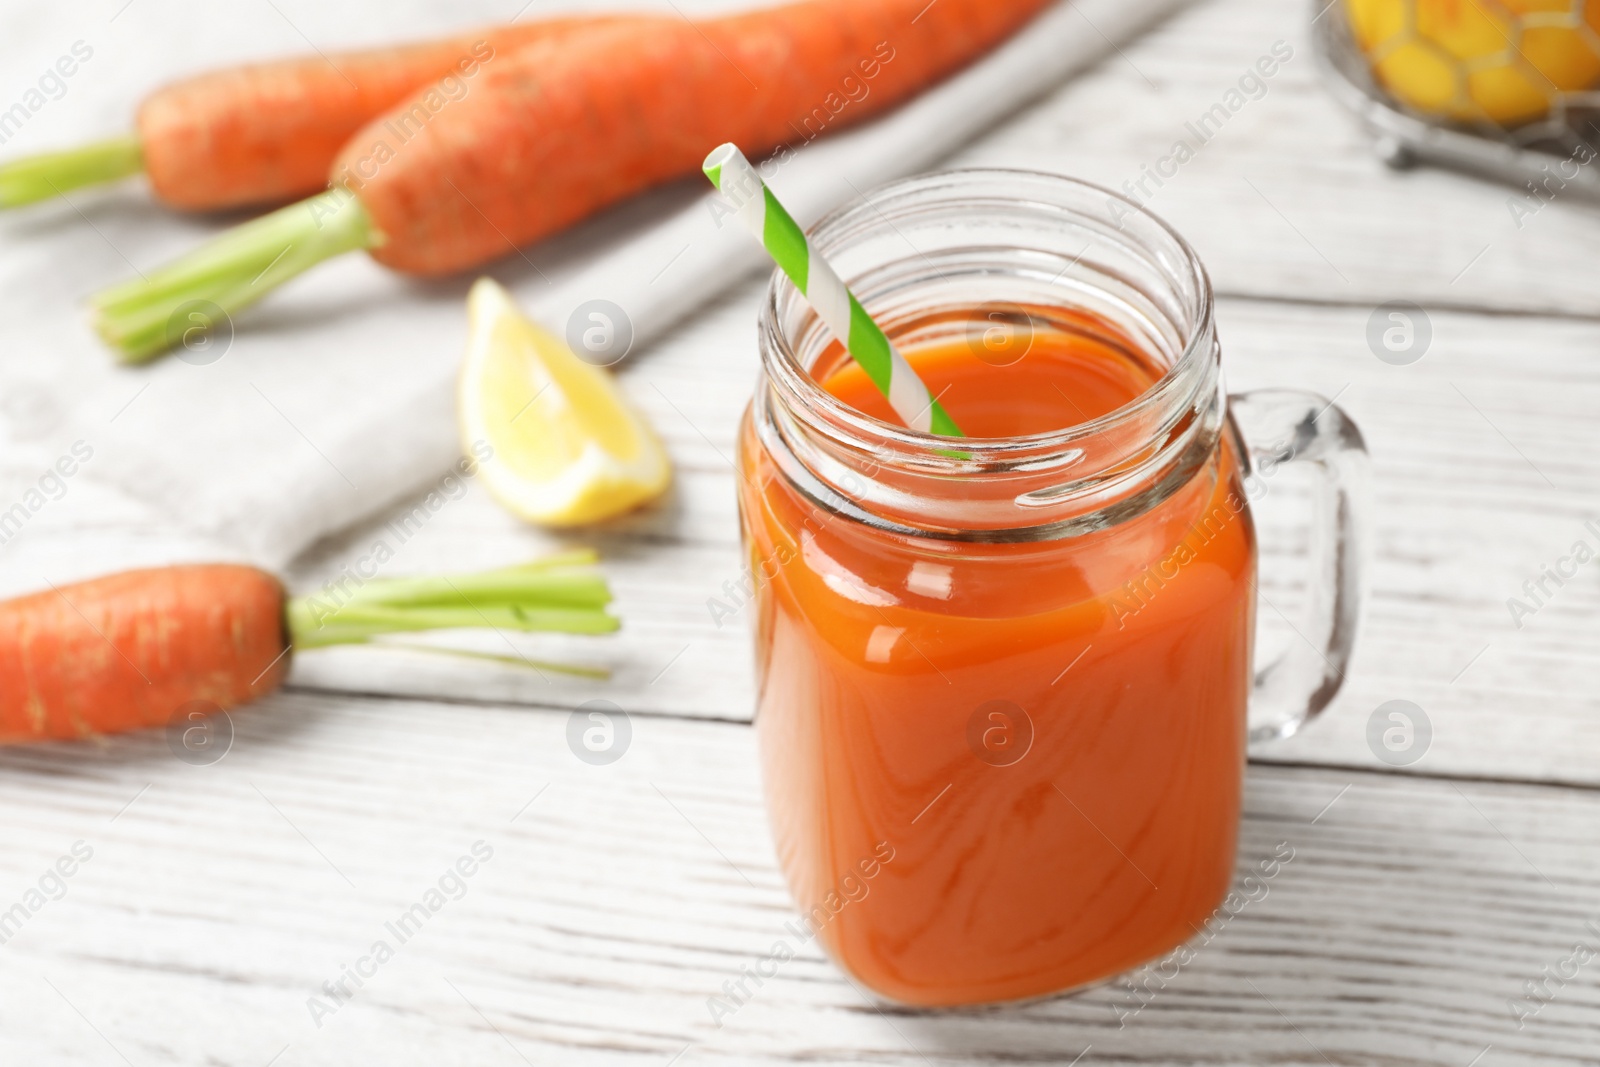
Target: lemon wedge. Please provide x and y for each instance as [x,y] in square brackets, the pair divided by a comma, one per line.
[568,449]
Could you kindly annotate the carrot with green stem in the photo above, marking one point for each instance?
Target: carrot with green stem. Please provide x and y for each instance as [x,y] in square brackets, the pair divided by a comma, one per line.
[264,133]
[556,132]
[130,650]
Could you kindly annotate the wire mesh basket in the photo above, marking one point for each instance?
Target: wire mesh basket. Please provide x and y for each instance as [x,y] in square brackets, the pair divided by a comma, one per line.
[1547,151]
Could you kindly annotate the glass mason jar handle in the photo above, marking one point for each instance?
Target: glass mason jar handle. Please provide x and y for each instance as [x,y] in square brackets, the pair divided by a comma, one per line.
[1279,426]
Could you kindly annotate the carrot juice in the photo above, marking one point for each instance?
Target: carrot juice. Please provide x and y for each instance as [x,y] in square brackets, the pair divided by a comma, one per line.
[999,766]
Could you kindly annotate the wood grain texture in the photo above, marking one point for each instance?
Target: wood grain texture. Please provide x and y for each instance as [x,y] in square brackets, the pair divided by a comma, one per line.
[620,898]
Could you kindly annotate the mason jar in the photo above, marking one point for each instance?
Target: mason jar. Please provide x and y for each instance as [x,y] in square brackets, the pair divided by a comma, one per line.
[1006,683]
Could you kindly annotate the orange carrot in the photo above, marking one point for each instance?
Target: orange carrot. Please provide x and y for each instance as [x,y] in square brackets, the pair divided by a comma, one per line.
[267,132]
[614,112]
[137,649]
[559,130]
[127,651]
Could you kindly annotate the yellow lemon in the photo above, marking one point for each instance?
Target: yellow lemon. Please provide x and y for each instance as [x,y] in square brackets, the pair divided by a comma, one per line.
[1501,60]
[568,449]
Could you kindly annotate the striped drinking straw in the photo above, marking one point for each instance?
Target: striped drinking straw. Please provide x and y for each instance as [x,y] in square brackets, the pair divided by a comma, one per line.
[816,279]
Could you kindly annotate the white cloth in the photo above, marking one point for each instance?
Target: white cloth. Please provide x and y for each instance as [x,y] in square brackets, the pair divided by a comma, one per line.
[336,396]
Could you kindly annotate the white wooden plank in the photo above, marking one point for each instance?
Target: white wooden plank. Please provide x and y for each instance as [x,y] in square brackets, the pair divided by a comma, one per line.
[1480,478]
[615,905]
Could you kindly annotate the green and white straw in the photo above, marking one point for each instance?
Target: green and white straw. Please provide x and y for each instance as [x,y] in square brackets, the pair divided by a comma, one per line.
[760,213]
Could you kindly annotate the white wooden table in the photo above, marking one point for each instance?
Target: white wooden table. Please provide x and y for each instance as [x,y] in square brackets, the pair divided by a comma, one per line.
[1421,903]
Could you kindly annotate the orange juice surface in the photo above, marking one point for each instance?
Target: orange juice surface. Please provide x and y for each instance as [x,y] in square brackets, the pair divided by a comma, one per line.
[996,771]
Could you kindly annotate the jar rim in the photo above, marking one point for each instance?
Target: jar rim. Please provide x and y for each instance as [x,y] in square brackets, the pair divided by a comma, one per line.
[790,373]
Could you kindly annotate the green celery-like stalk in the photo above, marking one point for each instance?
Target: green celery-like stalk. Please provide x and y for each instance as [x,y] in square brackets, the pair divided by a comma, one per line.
[557,581]
[356,624]
[562,594]
[141,319]
[35,178]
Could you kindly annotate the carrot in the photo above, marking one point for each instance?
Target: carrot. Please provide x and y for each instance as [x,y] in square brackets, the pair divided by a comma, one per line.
[265,132]
[135,649]
[126,651]
[524,159]
[556,132]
